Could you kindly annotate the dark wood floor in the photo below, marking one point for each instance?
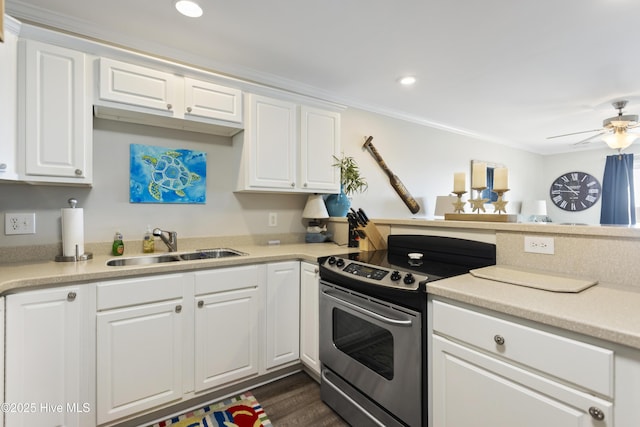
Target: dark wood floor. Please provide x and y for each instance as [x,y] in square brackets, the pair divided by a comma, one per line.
[295,401]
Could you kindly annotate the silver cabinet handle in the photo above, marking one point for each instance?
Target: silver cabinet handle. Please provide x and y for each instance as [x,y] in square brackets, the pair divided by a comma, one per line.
[499,339]
[200,304]
[188,109]
[596,413]
[78,172]
[169,107]
[178,308]
[71,296]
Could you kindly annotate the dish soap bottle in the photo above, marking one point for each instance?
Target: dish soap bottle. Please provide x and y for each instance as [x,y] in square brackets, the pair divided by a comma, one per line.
[148,242]
[118,246]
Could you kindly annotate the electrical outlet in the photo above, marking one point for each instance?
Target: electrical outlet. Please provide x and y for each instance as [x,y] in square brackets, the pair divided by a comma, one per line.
[19,223]
[539,245]
[273,219]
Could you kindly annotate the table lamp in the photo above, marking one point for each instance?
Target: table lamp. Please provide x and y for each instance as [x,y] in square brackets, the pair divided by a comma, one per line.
[315,210]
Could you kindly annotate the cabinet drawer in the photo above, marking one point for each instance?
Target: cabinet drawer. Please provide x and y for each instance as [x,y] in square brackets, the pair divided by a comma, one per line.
[227,279]
[579,363]
[121,293]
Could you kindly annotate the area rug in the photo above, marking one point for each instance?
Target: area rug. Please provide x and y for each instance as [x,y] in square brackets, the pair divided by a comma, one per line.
[239,411]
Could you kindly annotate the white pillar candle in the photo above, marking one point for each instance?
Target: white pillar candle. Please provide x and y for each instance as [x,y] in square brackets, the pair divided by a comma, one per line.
[459,180]
[479,175]
[500,179]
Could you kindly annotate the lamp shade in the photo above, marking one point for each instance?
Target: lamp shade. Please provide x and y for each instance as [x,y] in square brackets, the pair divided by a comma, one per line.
[444,204]
[315,208]
[533,207]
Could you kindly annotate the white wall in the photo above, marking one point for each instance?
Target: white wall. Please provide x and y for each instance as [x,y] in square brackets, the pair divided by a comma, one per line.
[425,159]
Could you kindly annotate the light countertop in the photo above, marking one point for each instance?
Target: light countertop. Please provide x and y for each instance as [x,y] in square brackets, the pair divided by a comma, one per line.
[21,276]
[606,311]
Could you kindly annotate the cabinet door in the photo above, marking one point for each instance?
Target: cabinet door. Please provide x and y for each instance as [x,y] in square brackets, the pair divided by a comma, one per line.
[283,313]
[271,127]
[57,124]
[137,86]
[319,143]
[211,101]
[139,358]
[477,390]
[309,317]
[8,106]
[226,337]
[46,360]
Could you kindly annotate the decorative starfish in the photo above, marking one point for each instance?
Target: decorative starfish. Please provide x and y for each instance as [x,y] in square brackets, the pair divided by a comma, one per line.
[458,206]
[500,206]
[478,204]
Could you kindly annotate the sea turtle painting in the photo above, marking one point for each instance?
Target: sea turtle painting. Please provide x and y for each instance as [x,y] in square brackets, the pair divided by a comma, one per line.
[164,175]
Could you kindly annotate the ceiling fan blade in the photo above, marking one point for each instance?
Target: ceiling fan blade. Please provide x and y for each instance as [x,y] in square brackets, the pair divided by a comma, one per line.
[574,133]
[592,137]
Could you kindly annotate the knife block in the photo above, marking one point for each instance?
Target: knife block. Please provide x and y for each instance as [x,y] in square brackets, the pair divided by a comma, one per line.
[375,239]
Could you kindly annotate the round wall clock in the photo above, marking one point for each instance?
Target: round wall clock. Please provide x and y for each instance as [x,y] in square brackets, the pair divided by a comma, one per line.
[575,191]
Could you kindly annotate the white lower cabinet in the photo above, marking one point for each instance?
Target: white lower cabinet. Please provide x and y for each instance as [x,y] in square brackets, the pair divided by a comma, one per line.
[48,348]
[139,345]
[491,372]
[309,316]
[282,314]
[227,313]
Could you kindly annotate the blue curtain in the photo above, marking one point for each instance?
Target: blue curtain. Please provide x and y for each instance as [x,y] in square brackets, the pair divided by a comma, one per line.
[618,202]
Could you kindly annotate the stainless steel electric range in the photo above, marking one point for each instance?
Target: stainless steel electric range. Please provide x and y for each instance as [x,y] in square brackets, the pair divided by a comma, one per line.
[373,325]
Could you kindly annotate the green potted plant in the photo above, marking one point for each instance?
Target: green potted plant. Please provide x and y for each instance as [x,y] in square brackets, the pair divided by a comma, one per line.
[351,182]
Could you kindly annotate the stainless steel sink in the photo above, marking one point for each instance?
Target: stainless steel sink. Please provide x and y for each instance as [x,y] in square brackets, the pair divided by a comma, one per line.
[143,260]
[211,253]
[199,254]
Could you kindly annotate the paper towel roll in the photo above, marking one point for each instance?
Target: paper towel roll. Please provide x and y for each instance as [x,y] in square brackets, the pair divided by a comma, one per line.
[72,231]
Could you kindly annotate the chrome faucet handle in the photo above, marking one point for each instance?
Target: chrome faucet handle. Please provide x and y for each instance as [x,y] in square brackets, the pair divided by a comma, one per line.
[170,238]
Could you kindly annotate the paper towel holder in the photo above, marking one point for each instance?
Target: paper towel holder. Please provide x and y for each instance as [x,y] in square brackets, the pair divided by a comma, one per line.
[77,257]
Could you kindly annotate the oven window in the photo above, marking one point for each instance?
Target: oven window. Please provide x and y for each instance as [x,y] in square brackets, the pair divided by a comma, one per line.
[365,342]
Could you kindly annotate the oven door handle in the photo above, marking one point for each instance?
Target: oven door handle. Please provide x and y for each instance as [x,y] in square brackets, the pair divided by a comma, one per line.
[370,313]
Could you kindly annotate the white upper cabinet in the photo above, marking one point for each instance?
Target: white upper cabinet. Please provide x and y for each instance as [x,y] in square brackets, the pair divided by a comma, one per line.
[8,102]
[319,142]
[55,127]
[287,147]
[139,94]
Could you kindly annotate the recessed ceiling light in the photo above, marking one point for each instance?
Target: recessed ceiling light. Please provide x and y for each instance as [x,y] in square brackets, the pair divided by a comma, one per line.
[407,80]
[189,8]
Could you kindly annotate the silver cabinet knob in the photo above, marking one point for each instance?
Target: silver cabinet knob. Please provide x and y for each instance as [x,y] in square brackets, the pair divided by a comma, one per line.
[78,172]
[189,109]
[316,270]
[200,304]
[178,308]
[596,413]
[3,166]
[305,185]
[293,184]
[169,107]
[71,296]
[499,339]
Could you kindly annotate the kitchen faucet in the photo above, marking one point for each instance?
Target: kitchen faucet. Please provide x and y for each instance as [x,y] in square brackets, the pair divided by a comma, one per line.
[170,238]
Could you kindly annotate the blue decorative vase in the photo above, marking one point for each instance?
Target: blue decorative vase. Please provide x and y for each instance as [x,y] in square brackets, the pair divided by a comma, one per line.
[338,204]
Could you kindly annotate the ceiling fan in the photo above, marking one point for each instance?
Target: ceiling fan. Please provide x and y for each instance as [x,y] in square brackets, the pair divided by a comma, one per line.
[614,129]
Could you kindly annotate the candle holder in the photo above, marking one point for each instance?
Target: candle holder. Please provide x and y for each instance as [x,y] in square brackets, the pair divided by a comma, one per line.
[499,206]
[478,203]
[458,206]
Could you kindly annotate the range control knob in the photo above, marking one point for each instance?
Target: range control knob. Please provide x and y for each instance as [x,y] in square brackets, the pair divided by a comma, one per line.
[395,276]
[332,260]
[409,279]
[340,262]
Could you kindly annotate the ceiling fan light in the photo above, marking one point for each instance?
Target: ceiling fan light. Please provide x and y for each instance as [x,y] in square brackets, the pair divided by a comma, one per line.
[620,139]
[189,8]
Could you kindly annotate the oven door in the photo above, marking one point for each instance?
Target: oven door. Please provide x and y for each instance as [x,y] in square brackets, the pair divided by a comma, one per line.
[374,346]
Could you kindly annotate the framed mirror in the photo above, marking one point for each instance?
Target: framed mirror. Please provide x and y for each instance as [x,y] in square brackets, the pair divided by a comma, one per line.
[488,192]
